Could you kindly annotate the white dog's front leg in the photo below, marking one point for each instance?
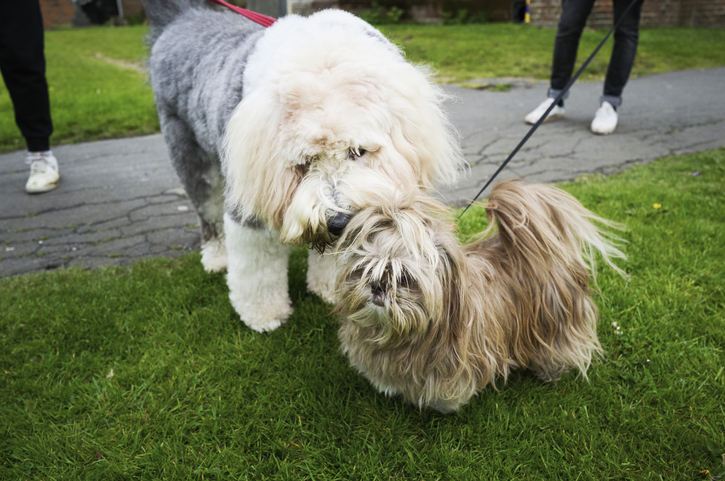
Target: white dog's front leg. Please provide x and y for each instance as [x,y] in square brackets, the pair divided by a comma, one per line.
[257,275]
[321,275]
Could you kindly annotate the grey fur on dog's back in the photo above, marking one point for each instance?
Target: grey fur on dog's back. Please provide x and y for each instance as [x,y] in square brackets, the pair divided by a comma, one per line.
[197,69]
[162,13]
[198,57]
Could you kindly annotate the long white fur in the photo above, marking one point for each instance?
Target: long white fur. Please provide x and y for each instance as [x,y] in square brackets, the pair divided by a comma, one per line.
[320,275]
[280,112]
[338,86]
[258,281]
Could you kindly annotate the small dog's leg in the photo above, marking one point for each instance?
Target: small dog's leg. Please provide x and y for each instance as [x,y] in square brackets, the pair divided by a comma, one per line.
[551,374]
[257,275]
[321,275]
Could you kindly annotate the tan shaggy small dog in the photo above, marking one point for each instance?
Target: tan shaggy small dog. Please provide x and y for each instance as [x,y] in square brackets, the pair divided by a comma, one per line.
[434,321]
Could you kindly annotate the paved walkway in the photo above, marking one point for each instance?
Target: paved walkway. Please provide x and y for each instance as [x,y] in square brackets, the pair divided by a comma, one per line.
[120,200]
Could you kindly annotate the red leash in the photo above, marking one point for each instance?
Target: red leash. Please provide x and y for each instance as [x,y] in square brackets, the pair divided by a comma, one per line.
[263,20]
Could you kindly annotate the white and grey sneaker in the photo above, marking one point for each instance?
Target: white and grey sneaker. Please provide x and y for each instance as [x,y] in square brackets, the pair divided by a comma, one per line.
[605,119]
[555,114]
[44,174]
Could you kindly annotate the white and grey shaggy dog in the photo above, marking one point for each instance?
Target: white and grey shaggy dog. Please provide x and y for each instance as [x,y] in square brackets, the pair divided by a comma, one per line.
[433,321]
[279,122]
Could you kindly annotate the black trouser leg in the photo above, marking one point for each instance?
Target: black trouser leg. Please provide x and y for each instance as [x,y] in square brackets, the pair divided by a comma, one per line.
[626,38]
[574,15]
[22,63]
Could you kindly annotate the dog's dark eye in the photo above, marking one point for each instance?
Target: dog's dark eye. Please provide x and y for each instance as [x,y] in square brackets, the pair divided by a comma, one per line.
[355,154]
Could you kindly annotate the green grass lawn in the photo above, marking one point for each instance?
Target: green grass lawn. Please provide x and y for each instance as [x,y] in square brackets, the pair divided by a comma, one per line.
[97,91]
[147,373]
[464,52]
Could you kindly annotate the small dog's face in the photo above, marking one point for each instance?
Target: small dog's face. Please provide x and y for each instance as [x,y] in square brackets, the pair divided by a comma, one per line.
[395,271]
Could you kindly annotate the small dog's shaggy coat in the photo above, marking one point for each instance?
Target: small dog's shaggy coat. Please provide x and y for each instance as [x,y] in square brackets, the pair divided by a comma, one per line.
[277,120]
[435,322]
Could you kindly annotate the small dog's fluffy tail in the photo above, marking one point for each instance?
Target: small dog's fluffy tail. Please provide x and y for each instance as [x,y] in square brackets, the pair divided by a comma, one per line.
[548,245]
[540,222]
[162,12]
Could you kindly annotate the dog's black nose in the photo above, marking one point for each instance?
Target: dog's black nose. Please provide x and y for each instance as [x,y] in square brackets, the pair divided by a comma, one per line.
[377,293]
[337,223]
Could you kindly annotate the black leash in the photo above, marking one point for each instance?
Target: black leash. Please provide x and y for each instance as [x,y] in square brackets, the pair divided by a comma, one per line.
[553,104]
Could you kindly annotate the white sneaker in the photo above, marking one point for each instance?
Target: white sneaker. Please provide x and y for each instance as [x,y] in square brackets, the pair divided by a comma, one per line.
[605,119]
[555,114]
[44,174]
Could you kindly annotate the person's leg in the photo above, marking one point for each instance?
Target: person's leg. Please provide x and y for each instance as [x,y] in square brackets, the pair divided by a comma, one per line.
[22,63]
[574,14]
[626,38]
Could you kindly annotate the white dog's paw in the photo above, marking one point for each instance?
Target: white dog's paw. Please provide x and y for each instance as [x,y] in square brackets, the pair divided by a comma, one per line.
[263,316]
[214,255]
[321,276]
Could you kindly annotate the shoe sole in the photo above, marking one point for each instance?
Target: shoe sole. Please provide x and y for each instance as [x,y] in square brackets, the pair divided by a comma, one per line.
[596,132]
[47,188]
[550,118]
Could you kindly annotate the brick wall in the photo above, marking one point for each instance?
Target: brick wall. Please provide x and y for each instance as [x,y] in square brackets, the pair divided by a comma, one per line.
[601,14]
[132,8]
[703,13]
[655,13]
[544,13]
[661,13]
[60,12]
[56,12]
